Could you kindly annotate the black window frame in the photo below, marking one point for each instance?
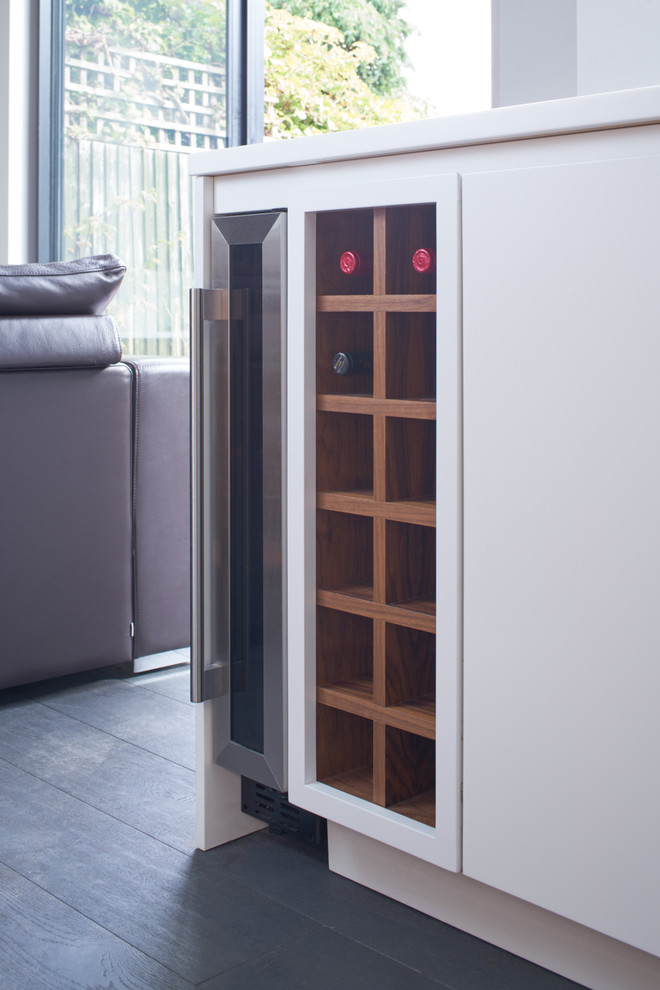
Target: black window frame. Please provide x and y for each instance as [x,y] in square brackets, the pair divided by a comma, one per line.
[245,103]
[51,119]
[245,72]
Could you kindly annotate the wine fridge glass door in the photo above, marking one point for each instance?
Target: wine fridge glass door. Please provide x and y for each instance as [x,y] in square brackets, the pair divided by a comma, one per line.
[238,653]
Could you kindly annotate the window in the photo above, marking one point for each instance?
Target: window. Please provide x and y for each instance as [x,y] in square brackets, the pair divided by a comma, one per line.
[132,87]
[138,85]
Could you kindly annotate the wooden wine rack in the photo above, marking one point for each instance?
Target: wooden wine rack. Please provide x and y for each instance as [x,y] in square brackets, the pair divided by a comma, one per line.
[376,512]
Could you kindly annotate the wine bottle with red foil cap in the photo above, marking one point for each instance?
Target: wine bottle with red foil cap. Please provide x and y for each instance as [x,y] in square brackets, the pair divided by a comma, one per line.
[355,263]
[423,261]
[353,363]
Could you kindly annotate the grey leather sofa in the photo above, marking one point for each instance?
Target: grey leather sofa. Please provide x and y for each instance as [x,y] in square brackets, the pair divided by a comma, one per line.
[94,481]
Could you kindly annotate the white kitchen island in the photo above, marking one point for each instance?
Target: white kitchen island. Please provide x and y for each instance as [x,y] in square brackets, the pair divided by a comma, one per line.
[540,831]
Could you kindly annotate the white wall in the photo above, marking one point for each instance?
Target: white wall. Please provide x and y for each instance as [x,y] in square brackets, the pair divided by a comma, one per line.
[534,44]
[548,50]
[618,44]
[18,129]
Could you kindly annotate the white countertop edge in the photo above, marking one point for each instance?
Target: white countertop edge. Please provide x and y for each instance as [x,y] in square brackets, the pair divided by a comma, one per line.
[580,113]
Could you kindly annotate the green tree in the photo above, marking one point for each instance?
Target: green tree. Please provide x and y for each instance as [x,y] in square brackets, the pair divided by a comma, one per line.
[313,83]
[188,29]
[376,23]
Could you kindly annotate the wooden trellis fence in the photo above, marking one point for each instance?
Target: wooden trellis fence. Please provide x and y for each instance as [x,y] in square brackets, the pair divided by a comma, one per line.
[130,121]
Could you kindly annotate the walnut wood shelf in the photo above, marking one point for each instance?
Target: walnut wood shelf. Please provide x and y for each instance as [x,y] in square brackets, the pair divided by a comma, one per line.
[356,602]
[367,406]
[376,513]
[418,512]
[417,715]
[425,303]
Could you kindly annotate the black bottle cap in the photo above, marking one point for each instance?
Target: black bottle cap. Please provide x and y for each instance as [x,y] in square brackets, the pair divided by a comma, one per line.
[342,363]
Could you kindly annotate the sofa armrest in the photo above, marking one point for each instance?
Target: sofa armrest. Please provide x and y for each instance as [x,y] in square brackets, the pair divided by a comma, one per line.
[65,505]
[161,500]
[58,342]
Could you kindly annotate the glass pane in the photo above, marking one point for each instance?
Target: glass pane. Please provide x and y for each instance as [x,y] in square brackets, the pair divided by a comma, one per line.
[246,501]
[144,85]
[335,65]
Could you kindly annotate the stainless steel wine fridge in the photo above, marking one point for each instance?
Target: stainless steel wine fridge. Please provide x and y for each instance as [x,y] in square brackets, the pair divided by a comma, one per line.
[238,394]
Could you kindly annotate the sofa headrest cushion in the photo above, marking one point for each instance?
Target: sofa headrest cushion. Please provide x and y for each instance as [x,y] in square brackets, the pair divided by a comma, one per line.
[58,342]
[83,287]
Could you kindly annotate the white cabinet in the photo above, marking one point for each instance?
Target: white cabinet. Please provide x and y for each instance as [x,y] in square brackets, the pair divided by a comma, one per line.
[562,540]
[374,672]
[561,408]
[561,419]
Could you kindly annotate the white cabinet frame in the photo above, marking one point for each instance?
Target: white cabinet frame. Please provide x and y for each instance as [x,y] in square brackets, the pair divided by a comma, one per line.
[439,845]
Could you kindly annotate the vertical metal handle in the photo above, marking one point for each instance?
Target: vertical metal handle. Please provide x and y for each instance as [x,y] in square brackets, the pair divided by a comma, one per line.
[209,323]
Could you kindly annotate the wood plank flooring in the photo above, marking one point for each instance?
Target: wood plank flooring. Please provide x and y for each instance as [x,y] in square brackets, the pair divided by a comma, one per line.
[101,886]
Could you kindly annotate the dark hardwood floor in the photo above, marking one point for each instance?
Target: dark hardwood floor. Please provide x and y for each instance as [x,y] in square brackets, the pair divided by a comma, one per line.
[101,886]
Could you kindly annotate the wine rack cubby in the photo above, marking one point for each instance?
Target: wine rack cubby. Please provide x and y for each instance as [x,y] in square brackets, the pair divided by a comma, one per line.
[345,452]
[410,566]
[410,460]
[344,751]
[344,554]
[343,332]
[410,775]
[336,233]
[411,356]
[345,653]
[375,472]
[408,228]
[410,686]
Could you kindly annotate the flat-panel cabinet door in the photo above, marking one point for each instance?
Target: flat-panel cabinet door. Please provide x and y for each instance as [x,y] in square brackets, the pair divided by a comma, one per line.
[562,540]
[374,511]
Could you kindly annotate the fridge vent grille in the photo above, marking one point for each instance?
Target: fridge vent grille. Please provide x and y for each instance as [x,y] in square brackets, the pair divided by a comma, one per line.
[273,808]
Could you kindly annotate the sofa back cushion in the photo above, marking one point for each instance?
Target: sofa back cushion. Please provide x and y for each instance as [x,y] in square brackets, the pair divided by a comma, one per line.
[83,287]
